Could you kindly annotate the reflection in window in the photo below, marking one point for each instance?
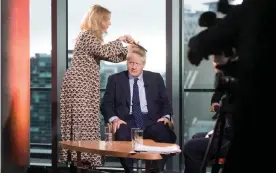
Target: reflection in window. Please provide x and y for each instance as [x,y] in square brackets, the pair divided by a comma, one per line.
[202,76]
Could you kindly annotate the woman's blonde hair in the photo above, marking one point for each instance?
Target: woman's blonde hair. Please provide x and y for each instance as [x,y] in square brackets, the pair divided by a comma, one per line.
[93,20]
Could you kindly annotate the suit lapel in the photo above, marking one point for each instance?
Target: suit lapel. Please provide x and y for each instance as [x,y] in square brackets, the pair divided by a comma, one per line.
[125,85]
[147,87]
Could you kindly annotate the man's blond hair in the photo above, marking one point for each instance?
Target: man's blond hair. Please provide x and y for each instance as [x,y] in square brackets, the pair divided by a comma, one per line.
[139,51]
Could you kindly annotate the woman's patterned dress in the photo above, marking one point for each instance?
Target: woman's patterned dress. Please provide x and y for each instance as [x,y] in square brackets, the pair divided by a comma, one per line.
[80,92]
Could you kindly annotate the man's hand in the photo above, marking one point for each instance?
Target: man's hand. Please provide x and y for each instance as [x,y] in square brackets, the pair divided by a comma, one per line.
[166,121]
[116,124]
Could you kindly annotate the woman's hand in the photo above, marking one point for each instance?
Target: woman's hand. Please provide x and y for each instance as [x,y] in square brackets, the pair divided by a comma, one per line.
[130,40]
[127,39]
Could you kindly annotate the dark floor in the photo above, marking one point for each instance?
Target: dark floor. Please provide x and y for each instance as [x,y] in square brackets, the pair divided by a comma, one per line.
[37,169]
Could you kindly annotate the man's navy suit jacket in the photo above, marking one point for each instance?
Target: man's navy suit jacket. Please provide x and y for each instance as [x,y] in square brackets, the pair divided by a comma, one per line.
[116,100]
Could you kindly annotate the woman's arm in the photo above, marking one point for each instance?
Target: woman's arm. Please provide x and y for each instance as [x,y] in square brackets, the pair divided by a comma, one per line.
[112,51]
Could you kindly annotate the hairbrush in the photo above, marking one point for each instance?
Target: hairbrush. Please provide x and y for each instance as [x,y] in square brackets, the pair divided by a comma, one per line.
[138,45]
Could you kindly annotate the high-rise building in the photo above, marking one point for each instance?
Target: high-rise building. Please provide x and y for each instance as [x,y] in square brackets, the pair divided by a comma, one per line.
[40,98]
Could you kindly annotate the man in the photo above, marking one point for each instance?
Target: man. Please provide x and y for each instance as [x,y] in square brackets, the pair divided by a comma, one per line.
[138,98]
[195,148]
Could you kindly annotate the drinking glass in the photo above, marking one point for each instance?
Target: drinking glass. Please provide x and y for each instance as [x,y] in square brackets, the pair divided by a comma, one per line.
[139,136]
[133,138]
[108,134]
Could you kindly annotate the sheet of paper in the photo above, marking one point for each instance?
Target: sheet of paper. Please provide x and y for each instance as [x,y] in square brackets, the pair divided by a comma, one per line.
[161,150]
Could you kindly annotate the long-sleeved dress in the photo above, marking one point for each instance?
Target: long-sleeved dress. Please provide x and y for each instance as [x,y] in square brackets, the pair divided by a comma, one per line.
[80,92]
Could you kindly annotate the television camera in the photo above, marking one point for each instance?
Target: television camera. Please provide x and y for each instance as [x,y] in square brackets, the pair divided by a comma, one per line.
[225,81]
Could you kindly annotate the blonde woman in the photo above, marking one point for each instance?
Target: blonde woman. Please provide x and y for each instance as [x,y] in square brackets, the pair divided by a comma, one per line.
[80,89]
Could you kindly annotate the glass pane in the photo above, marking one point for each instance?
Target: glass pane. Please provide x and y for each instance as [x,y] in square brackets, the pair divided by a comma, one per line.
[203,75]
[126,20]
[40,116]
[135,18]
[198,117]
[40,73]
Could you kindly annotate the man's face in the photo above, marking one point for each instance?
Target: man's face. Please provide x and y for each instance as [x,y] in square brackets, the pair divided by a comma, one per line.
[135,65]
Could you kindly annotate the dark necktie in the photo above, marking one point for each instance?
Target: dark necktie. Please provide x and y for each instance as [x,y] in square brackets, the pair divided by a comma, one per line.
[136,109]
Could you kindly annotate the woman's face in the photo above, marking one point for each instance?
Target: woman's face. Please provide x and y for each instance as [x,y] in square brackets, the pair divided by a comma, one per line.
[106,24]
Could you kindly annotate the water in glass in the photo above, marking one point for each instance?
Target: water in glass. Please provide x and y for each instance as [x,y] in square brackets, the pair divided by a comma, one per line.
[108,134]
[133,138]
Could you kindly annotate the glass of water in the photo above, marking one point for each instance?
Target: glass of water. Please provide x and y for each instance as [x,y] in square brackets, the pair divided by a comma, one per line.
[133,137]
[108,134]
[139,136]
[136,137]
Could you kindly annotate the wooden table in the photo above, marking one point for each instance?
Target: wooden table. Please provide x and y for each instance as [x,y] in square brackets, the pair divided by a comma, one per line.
[114,149]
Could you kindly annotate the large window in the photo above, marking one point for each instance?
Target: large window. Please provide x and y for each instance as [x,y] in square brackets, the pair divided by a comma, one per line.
[198,117]
[146,23]
[203,75]
[144,20]
[40,62]
[198,82]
